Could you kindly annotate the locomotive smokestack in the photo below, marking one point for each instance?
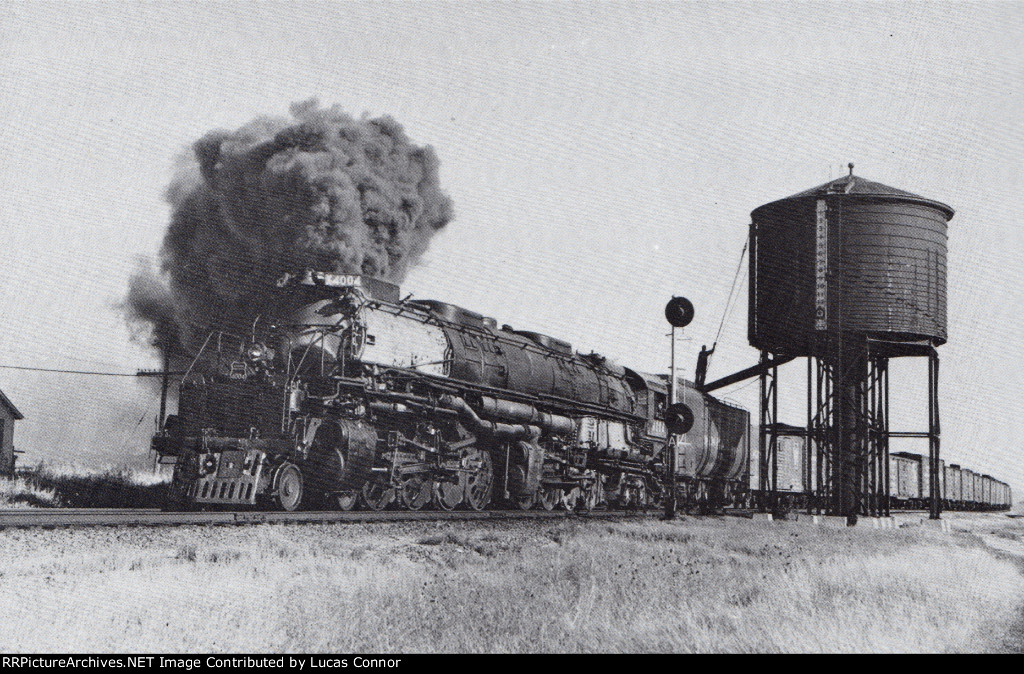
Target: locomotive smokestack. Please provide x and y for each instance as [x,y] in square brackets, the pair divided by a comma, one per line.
[319,189]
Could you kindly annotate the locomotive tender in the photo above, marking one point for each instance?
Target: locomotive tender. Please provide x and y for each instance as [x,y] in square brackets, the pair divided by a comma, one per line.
[361,398]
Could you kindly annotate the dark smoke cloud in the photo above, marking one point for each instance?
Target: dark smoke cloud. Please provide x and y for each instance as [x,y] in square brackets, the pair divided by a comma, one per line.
[320,190]
[150,309]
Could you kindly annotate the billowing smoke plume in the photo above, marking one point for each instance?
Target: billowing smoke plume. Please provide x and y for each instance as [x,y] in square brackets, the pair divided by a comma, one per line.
[320,190]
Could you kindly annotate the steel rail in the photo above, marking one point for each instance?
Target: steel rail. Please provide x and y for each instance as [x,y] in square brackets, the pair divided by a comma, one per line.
[96,517]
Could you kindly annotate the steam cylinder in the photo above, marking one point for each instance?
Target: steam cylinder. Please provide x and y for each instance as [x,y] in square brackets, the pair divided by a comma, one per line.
[852,255]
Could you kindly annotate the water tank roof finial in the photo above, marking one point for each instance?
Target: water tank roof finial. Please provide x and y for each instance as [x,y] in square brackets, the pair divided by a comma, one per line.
[851,168]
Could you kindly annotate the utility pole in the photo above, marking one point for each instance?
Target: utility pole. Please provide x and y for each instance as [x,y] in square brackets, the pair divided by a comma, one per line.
[164,380]
[165,375]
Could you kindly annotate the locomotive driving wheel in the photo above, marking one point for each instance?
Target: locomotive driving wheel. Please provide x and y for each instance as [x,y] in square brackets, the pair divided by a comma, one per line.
[589,491]
[288,495]
[520,498]
[633,496]
[377,496]
[346,500]
[415,491]
[588,497]
[550,497]
[480,481]
[640,492]
[570,498]
[525,501]
[448,495]
[450,490]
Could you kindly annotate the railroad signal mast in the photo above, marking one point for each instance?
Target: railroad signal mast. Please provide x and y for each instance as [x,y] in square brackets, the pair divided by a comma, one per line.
[678,417]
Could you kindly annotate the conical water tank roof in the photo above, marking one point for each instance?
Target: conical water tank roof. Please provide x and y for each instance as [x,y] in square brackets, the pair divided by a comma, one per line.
[860,188]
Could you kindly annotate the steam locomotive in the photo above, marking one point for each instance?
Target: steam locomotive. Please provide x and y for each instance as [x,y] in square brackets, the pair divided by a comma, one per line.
[361,399]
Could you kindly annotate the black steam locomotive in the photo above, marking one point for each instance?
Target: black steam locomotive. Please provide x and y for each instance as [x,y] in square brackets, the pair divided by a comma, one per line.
[362,399]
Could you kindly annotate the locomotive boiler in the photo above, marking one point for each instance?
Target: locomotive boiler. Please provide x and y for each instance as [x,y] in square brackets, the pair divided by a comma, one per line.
[359,398]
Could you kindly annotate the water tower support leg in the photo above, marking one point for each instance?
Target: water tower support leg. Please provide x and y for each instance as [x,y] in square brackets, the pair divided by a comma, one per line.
[877,483]
[851,431]
[809,483]
[762,444]
[773,438]
[934,434]
[768,435]
[826,469]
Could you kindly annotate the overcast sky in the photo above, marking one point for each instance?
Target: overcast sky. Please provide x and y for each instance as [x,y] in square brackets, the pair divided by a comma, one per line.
[601,158]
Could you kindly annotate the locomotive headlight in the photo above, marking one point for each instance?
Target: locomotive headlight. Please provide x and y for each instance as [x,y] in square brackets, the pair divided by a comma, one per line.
[259,353]
[208,465]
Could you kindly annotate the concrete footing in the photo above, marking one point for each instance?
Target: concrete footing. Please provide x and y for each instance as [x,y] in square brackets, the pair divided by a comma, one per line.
[877,522]
[941,525]
[840,522]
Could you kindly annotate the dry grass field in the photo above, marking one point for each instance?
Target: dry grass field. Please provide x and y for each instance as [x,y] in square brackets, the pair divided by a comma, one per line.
[21,492]
[693,585]
[65,486]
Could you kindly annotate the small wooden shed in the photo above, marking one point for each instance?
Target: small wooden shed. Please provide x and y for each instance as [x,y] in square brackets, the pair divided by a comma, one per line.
[8,415]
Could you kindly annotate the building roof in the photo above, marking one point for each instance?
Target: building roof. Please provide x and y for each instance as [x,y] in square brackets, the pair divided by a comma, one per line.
[860,187]
[7,403]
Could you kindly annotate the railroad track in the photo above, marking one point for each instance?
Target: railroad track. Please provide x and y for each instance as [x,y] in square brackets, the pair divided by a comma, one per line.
[115,517]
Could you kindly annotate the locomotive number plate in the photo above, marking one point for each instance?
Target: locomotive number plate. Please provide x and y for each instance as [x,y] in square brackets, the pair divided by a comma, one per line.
[342,280]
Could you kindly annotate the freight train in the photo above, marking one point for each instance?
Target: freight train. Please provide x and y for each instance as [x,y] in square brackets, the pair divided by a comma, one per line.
[362,399]
[796,474]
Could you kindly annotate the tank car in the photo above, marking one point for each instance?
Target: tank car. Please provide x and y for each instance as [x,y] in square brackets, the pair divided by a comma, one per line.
[360,398]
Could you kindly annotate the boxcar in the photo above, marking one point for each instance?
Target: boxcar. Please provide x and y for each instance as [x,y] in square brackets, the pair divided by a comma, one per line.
[926,484]
[953,494]
[792,463]
[904,480]
[968,490]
